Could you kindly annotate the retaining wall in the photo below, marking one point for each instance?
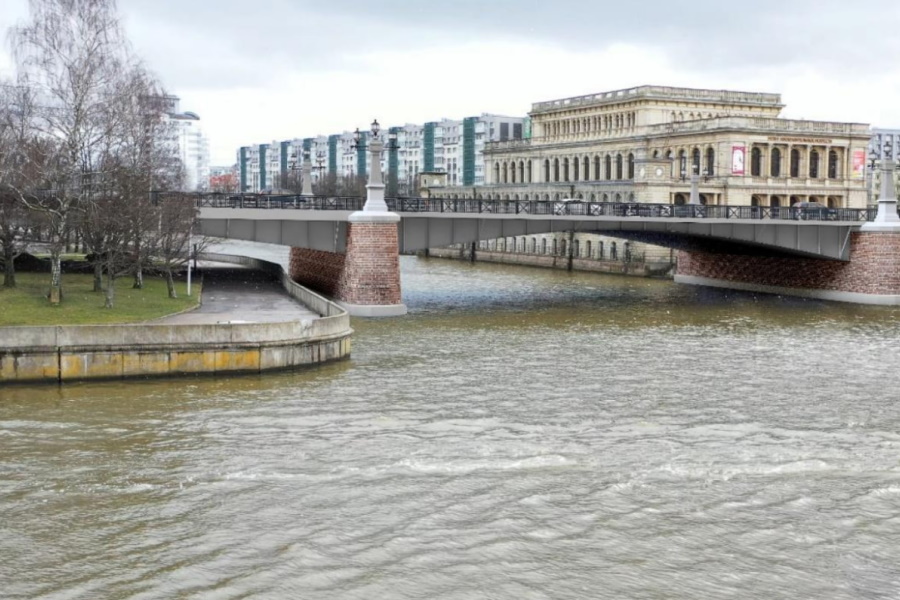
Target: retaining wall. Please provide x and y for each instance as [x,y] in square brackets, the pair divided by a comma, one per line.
[77,352]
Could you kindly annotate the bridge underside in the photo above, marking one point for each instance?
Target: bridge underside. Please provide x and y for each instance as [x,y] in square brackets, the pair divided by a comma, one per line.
[808,239]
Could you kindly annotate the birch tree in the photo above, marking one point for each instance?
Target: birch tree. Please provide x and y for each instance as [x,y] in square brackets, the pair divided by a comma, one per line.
[71,55]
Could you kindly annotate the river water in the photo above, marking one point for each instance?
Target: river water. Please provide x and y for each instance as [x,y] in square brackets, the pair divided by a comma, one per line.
[522,434]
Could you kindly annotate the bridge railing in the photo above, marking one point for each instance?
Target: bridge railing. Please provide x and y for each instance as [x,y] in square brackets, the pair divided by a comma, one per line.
[543,207]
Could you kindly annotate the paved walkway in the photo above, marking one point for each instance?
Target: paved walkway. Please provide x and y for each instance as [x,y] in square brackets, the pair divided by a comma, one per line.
[237,294]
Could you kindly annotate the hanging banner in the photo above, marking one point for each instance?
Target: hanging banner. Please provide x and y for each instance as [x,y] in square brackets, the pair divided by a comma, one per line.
[859,164]
[738,154]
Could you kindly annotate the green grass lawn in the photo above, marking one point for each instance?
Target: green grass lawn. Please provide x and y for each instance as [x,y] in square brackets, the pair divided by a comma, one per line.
[27,303]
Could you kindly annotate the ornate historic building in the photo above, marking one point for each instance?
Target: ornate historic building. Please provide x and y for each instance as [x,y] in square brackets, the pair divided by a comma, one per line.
[643,144]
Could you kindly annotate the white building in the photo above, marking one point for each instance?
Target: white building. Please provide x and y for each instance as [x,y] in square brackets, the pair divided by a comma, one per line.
[191,145]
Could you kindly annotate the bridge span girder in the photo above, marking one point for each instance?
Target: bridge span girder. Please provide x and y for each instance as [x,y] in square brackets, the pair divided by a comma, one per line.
[803,239]
[327,231]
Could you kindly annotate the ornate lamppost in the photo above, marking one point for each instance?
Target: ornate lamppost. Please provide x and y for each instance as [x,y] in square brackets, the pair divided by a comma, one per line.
[886,218]
[306,190]
[375,186]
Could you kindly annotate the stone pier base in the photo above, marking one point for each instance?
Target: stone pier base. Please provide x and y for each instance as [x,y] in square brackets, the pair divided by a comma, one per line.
[872,276]
[366,280]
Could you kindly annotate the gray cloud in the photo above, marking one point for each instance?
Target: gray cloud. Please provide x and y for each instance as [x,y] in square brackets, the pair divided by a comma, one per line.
[242,42]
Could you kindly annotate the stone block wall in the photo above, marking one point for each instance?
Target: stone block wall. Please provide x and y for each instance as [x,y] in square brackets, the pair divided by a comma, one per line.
[372,270]
[369,273]
[317,270]
[874,268]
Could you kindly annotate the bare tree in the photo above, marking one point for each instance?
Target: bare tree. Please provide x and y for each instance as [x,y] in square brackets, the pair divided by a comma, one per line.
[177,240]
[71,54]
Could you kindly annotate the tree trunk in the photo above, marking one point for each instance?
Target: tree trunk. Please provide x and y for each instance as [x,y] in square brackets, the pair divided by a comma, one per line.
[98,276]
[138,278]
[9,275]
[55,294]
[170,283]
[110,289]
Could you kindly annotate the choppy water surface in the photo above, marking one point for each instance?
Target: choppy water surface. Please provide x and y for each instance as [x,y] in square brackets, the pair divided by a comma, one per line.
[522,434]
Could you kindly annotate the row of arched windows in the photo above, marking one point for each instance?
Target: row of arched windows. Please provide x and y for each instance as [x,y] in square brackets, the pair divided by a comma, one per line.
[596,124]
[512,172]
[609,168]
[795,166]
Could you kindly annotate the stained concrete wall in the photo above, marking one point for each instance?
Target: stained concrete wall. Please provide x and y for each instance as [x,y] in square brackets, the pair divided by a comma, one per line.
[67,353]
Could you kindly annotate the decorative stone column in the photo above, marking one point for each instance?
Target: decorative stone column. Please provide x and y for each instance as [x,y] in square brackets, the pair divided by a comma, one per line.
[887,219]
[306,174]
[370,284]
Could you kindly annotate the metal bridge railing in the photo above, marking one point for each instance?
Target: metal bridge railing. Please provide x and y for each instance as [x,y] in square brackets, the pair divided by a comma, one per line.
[542,207]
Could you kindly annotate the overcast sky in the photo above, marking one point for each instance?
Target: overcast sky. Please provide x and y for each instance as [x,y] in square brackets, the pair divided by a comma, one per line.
[264,70]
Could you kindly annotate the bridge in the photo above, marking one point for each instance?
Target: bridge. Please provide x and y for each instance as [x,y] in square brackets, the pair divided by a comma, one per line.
[344,247]
[320,223]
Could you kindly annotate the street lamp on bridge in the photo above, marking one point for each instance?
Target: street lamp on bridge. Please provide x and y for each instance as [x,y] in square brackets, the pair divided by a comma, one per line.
[887,218]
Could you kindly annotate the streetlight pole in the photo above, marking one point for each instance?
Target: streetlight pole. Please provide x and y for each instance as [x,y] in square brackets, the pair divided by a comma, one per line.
[886,219]
[375,187]
[306,174]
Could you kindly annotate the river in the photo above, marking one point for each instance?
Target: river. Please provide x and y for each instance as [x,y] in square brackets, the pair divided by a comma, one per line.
[521,434]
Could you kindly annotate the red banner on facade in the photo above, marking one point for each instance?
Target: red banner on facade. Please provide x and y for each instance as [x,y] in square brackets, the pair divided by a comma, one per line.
[859,164]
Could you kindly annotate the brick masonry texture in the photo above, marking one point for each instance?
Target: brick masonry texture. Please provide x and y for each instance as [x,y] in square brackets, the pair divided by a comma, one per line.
[874,267]
[368,274]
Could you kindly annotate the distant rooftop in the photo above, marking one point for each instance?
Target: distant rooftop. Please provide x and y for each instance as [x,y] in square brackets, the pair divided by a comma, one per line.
[662,93]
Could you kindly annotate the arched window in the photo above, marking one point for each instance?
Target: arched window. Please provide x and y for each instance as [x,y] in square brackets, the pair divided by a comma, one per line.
[756,162]
[795,162]
[587,249]
[613,251]
[544,246]
[521,172]
[682,163]
[775,163]
[710,162]
[608,167]
[814,164]
[627,251]
[585,169]
[618,166]
[533,245]
[547,170]
[555,246]
[695,161]
[597,176]
[512,172]
[555,169]
[565,169]
[832,164]
[576,248]
[562,248]
[496,172]
[575,170]
[630,166]
[599,250]
[528,170]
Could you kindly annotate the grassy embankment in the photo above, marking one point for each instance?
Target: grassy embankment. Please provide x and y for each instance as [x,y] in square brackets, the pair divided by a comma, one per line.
[27,303]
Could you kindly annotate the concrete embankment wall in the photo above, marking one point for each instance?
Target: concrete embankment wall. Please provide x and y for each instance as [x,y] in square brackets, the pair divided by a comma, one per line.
[550,261]
[78,352]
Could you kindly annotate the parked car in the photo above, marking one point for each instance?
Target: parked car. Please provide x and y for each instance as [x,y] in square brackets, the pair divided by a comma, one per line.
[813,211]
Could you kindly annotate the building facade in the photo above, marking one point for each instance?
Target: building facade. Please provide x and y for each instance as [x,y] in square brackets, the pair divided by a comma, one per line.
[190,144]
[643,144]
[454,147]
